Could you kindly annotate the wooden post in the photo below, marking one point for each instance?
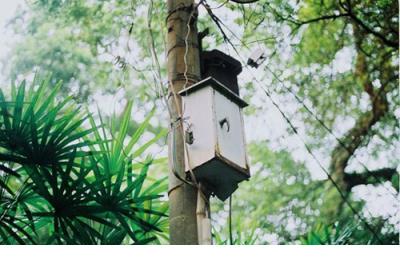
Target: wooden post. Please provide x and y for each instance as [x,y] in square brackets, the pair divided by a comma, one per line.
[183,63]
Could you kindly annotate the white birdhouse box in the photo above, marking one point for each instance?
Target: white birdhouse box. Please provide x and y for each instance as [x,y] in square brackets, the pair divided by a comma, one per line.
[216,153]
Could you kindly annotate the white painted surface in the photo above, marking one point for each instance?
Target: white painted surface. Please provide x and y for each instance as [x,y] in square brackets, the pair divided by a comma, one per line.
[198,115]
[230,137]
[202,113]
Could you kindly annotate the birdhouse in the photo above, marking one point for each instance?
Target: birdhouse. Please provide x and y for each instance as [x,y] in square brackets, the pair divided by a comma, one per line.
[216,148]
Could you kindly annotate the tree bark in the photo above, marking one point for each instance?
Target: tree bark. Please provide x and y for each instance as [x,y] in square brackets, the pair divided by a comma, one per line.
[183,70]
[352,140]
[373,177]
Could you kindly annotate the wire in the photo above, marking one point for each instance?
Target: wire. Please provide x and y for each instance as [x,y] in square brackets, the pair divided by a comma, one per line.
[153,49]
[203,205]
[186,51]
[230,221]
[342,195]
[176,102]
[305,144]
[244,1]
[221,5]
[180,119]
[219,23]
[341,143]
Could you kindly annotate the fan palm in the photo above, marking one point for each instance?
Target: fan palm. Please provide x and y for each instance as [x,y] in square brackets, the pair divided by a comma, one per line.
[63,182]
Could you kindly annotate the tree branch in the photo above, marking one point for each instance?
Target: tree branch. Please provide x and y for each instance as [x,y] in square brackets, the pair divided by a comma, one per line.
[355,136]
[348,13]
[244,1]
[327,17]
[372,177]
[352,15]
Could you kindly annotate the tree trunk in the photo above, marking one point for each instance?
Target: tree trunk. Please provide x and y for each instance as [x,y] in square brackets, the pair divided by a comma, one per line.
[352,140]
[183,70]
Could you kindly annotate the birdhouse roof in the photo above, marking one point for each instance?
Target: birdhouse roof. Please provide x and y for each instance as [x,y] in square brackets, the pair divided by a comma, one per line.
[216,85]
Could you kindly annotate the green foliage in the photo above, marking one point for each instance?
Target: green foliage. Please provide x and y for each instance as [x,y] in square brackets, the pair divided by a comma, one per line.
[105,46]
[344,232]
[282,204]
[240,237]
[91,46]
[280,193]
[66,183]
[33,132]
[329,235]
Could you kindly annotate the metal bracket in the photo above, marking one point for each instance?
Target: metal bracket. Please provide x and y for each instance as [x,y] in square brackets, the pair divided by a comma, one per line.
[189,138]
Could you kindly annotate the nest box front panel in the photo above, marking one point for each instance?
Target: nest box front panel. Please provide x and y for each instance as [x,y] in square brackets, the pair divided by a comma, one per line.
[229,130]
[197,116]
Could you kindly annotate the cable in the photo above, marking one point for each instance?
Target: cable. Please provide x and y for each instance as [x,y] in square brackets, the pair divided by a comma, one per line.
[342,195]
[244,1]
[230,221]
[203,217]
[202,207]
[341,143]
[218,22]
[221,5]
[180,119]
[308,148]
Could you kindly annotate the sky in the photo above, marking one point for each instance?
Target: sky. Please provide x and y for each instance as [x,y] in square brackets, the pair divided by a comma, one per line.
[7,10]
